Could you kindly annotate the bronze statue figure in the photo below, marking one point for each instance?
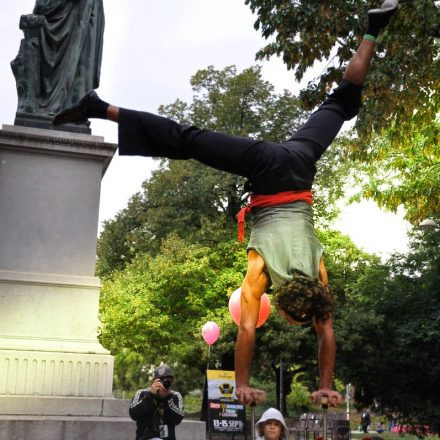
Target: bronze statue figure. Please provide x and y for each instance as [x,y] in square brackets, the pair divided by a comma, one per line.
[59,58]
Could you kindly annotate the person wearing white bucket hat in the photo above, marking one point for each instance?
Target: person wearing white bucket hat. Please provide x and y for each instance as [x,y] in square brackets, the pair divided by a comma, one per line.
[271,426]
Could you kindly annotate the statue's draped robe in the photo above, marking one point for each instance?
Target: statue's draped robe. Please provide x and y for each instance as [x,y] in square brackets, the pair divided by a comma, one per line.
[60,57]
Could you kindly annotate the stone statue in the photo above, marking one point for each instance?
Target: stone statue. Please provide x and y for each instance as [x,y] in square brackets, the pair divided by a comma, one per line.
[59,58]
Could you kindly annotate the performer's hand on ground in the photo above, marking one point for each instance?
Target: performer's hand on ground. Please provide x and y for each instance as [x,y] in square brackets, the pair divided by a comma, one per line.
[248,396]
[334,398]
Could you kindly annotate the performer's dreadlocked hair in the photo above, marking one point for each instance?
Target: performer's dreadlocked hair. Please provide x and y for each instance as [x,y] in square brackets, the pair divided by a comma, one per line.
[303,298]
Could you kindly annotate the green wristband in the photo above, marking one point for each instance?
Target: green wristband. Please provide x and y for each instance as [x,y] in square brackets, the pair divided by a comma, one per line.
[369,37]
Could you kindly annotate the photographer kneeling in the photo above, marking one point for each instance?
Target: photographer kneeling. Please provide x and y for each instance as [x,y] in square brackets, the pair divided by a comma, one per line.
[157,410]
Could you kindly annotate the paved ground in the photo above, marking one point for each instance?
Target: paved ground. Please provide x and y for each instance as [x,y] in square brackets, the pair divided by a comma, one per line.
[227,437]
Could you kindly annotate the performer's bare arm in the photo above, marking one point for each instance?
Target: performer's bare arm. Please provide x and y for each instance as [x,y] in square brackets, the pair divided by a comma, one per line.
[326,352]
[254,285]
[326,361]
[356,73]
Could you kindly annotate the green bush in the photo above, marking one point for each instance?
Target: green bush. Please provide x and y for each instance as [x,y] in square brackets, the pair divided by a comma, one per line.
[298,400]
[192,404]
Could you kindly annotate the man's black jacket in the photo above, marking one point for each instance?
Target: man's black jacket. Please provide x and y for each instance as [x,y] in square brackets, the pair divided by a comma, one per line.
[151,411]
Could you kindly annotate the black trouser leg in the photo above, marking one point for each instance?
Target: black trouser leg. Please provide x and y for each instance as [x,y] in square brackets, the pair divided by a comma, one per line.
[145,134]
[324,124]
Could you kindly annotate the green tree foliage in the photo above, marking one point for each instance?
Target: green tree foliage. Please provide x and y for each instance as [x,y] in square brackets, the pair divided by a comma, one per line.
[198,202]
[240,104]
[122,237]
[156,305]
[146,305]
[298,399]
[396,175]
[398,126]
[135,372]
[404,85]
[154,309]
[391,333]
[344,262]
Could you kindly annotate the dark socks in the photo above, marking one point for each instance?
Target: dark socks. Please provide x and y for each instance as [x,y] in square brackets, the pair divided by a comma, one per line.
[97,108]
[89,106]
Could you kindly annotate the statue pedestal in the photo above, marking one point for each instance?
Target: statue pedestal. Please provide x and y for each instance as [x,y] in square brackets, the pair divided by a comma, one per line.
[49,198]
[41,121]
[55,377]
[34,418]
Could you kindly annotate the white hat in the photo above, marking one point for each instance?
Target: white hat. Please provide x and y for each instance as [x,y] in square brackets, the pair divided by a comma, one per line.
[271,414]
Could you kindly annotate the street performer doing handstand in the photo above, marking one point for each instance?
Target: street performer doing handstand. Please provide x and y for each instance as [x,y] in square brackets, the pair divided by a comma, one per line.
[283,249]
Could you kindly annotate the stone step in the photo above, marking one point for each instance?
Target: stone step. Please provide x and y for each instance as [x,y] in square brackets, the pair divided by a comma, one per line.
[84,428]
[63,406]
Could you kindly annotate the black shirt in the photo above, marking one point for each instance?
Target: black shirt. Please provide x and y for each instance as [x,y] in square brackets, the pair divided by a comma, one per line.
[156,416]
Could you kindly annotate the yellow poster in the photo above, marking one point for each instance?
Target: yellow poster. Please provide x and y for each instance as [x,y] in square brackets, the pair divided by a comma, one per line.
[221,385]
[226,414]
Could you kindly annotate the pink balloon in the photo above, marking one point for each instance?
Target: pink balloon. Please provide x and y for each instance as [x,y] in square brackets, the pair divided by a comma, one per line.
[235,308]
[210,332]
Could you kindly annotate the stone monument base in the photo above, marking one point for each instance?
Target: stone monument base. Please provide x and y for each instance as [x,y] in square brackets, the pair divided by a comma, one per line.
[41,121]
[71,418]
[49,297]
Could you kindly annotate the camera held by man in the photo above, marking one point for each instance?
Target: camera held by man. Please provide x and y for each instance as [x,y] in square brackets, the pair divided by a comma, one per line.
[158,409]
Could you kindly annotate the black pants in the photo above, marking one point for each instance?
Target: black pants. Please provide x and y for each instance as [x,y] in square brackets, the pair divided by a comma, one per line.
[270,167]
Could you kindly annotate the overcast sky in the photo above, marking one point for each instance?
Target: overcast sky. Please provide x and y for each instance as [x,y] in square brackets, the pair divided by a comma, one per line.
[151,49]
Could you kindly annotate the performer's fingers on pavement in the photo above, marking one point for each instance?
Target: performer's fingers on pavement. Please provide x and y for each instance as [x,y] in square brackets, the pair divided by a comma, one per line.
[248,398]
[336,400]
[261,396]
[255,397]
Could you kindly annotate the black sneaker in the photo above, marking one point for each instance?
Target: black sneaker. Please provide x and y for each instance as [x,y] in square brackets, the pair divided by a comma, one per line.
[379,18]
[79,112]
[388,8]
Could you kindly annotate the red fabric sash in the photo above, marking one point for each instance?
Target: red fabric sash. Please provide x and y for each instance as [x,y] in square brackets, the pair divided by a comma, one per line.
[261,201]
